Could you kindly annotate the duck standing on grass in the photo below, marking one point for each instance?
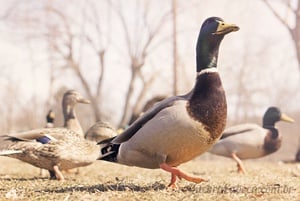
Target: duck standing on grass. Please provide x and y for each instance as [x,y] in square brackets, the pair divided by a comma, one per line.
[179,128]
[247,141]
[54,149]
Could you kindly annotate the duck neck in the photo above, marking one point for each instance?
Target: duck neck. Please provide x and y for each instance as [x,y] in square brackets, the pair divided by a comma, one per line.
[207,52]
[269,124]
[273,130]
[70,120]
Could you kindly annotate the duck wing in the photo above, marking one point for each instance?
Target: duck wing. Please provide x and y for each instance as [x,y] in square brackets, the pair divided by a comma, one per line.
[239,129]
[37,134]
[148,115]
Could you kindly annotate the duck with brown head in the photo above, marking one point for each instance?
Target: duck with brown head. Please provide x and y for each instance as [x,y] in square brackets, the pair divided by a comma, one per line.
[54,149]
[179,128]
[101,130]
[70,99]
[50,118]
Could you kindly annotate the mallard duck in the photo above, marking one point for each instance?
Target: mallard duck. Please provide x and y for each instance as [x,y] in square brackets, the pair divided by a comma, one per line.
[247,141]
[179,128]
[50,117]
[54,149]
[101,130]
[70,99]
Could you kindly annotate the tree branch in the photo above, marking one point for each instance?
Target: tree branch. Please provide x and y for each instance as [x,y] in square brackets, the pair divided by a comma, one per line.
[276,14]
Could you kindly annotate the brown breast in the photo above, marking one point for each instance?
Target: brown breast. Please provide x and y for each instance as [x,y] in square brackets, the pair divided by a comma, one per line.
[272,144]
[208,103]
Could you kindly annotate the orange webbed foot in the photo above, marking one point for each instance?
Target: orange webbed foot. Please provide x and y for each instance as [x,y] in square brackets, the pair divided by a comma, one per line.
[176,172]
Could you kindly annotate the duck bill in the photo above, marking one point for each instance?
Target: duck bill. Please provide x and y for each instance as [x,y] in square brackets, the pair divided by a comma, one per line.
[84,101]
[286,118]
[224,28]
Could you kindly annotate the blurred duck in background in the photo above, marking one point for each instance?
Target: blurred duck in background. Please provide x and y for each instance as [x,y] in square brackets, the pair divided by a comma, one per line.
[70,99]
[50,118]
[54,149]
[146,107]
[100,131]
[246,141]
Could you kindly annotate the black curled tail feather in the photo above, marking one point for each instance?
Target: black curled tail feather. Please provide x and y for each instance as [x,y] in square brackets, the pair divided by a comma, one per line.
[108,150]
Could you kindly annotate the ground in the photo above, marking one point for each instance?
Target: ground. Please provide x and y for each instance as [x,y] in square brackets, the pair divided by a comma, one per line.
[265,180]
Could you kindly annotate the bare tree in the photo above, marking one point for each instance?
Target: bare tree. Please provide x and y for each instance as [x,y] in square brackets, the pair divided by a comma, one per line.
[11,103]
[69,37]
[175,54]
[63,41]
[294,30]
[138,48]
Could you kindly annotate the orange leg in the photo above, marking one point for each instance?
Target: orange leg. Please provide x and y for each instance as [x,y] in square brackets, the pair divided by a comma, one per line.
[58,173]
[241,168]
[175,172]
[173,181]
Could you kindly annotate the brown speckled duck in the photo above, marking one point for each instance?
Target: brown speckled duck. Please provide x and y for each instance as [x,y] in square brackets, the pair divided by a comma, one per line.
[247,141]
[179,128]
[70,99]
[101,130]
[54,149]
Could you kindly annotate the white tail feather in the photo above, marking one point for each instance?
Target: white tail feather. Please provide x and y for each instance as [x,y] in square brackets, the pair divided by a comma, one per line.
[10,152]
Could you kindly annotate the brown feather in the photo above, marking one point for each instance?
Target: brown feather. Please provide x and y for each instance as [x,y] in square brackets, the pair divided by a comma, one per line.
[208,105]
[270,144]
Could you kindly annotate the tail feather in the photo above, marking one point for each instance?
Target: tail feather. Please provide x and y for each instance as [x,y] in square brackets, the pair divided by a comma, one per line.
[9,152]
[6,142]
[108,151]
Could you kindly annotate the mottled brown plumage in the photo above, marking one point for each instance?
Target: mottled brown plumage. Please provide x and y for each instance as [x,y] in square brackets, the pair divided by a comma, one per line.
[65,148]
[54,149]
[100,131]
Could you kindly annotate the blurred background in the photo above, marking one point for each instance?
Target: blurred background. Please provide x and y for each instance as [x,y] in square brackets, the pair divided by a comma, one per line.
[119,54]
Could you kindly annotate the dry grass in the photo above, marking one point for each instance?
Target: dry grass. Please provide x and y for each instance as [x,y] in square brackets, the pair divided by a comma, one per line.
[106,181]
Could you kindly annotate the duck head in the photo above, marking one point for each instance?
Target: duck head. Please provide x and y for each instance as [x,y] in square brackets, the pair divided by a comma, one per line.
[273,115]
[50,117]
[70,99]
[210,36]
